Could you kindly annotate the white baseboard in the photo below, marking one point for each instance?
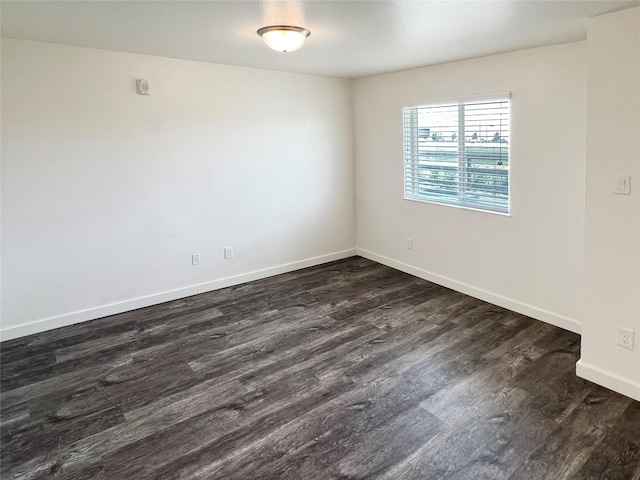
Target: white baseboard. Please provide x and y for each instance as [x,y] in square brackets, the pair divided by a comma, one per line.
[608,380]
[146,301]
[528,310]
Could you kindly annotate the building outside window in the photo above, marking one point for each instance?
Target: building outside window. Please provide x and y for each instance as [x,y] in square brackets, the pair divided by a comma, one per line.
[457,153]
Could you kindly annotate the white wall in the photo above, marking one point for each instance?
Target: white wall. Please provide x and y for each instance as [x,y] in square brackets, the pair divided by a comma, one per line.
[106,193]
[612,227]
[529,262]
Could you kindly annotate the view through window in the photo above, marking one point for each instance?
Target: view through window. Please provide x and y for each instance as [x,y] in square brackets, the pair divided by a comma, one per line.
[458,154]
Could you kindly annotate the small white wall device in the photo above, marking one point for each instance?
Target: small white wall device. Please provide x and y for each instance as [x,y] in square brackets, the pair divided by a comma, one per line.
[142,87]
[622,184]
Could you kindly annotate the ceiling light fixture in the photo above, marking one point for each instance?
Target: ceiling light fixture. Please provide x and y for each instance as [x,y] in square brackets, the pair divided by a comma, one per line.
[284,38]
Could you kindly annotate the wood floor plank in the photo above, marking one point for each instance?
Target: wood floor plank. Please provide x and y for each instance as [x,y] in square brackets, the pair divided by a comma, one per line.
[255,423]
[347,370]
[327,433]
[567,449]
[617,456]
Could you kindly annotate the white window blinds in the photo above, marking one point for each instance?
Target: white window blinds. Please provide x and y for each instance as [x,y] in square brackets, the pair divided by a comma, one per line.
[458,154]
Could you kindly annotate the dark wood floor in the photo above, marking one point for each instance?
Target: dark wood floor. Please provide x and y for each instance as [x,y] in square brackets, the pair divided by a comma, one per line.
[349,370]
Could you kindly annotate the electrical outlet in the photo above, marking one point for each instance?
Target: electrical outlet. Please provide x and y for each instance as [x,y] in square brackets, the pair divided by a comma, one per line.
[195,259]
[625,338]
[228,253]
[409,243]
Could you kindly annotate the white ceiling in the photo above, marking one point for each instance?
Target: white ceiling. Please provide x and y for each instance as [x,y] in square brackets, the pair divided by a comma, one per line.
[348,38]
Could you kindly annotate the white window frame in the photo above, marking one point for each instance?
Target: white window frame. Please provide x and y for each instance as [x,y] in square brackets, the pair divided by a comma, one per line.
[413,167]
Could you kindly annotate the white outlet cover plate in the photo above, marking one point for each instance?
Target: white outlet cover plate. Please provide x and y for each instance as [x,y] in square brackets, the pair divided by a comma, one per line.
[625,338]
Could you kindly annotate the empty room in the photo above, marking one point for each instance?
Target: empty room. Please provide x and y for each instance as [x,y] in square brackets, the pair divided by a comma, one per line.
[313,239]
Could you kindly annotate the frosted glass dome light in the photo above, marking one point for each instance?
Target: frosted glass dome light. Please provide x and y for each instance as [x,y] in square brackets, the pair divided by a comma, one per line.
[284,38]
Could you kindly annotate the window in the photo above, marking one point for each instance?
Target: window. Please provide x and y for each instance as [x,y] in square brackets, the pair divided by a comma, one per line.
[458,154]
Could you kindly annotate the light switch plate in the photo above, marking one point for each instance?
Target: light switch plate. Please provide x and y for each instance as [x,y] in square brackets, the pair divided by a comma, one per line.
[622,184]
